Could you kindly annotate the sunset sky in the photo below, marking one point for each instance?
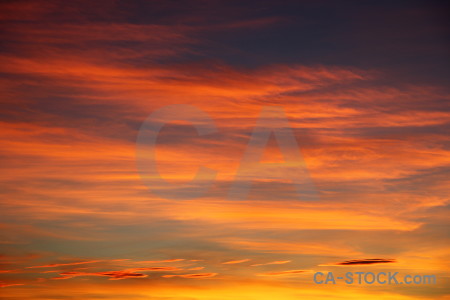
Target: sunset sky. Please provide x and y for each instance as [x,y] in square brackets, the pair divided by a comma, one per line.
[364,86]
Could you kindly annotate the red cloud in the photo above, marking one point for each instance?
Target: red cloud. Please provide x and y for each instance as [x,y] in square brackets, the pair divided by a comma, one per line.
[116,275]
[113,275]
[9,271]
[2,285]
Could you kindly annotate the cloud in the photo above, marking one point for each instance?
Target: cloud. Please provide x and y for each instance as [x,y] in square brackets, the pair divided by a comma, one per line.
[2,284]
[195,268]
[192,276]
[280,245]
[278,262]
[282,273]
[10,271]
[66,264]
[113,275]
[156,269]
[232,262]
[160,261]
[370,261]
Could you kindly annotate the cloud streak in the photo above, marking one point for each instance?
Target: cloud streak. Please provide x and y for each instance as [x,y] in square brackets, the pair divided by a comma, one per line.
[284,273]
[278,262]
[192,276]
[368,261]
[233,262]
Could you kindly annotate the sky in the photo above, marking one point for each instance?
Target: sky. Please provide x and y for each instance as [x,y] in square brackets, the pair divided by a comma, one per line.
[362,85]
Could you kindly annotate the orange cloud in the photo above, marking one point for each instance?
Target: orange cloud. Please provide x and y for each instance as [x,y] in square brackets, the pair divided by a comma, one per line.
[278,262]
[160,261]
[66,264]
[192,276]
[232,262]
[113,275]
[195,268]
[282,273]
[2,285]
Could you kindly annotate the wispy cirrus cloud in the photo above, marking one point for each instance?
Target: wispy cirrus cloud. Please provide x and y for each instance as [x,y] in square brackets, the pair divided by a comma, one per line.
[117,275]
[113,275]
[172,260]
[192,276]
[284,273]
[367,261]
[65,264]
[277,262]
[233,262]
[195,268]
[3,285]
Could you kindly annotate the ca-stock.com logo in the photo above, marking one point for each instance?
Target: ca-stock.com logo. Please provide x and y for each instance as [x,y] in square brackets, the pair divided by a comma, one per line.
[271,120]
